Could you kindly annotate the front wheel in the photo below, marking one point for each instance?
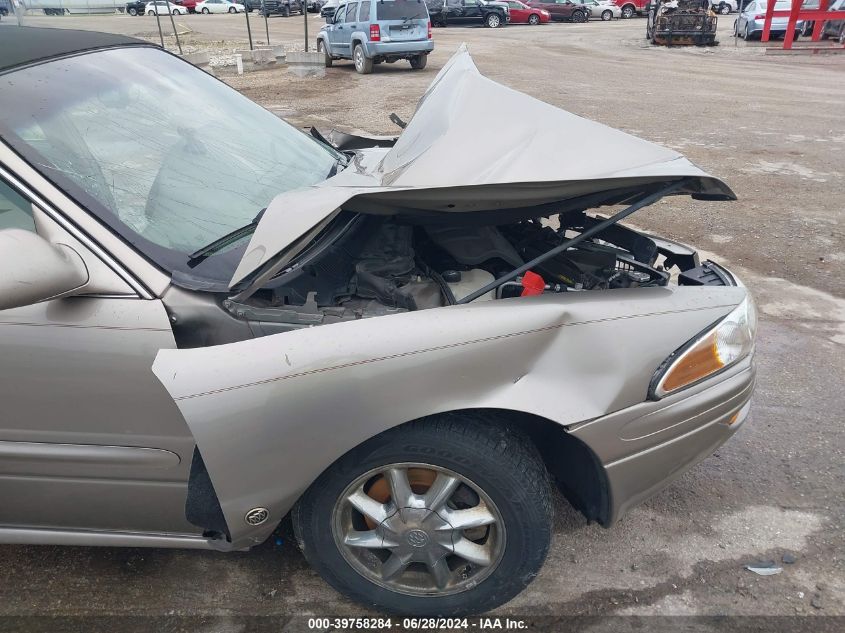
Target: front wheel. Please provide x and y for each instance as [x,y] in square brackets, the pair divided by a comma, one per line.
[205,10]
[579,16]
[724,9]
[628,11]
[363,64]
[150,13]
[232,10]
[493,20]
[533,19]
[447,516]
[133,11]
[419,61]
[607,16]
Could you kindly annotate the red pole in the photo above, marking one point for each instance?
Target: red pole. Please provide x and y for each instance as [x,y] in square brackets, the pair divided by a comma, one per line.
[790,25]
[818,24]
[767,24]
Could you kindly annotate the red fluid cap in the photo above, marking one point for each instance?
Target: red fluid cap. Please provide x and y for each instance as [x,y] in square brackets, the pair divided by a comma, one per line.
[532,284]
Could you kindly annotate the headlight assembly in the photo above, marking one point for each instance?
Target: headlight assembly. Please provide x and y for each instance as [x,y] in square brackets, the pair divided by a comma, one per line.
[730,340]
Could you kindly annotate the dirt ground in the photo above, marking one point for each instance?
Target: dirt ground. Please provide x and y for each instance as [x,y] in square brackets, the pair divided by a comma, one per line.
[773,127]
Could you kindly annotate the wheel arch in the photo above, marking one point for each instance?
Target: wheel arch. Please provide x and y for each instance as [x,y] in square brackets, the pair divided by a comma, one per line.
[358,38]
[575,468]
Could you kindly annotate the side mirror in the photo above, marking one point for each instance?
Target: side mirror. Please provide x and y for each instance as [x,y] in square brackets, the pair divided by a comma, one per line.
[35,270]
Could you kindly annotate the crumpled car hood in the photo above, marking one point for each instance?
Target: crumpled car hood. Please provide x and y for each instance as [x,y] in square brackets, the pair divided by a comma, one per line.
[473,145]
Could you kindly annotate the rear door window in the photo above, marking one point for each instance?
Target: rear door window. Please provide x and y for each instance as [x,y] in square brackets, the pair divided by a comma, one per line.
[401,10]
[365,12]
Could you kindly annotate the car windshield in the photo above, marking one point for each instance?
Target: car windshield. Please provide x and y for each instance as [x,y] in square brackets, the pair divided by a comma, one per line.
[164,154]
[400,10]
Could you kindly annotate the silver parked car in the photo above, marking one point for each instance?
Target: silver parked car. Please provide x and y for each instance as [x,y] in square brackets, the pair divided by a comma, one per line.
[208,325]
[604,10]
[751,20]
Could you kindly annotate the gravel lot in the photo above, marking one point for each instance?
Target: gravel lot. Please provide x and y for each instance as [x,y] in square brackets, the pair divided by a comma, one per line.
[774,128]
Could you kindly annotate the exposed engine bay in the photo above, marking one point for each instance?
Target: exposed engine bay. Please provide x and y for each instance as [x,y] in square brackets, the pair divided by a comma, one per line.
[371,265]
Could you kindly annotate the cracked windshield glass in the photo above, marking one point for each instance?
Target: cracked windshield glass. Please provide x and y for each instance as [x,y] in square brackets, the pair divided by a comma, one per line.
[164,154]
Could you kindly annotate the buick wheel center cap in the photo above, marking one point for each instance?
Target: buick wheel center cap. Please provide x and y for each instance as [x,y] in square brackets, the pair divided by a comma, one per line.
[416,538]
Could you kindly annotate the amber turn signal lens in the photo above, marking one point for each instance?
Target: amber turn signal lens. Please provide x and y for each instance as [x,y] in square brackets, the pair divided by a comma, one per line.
[699,362]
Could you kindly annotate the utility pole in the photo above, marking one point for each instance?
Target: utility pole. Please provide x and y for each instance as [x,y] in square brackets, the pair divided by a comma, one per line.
[160,34]
[173,24]
[248,29]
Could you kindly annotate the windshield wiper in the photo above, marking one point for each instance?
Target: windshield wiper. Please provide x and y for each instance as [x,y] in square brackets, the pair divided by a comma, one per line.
[341,159]
[339,163]
[219,244]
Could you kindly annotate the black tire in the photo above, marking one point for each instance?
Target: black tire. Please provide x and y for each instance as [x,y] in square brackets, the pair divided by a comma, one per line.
[133,11]
[286,12]
[579,16]
[363,64]
[418,62]
[628,11]
[502,463]
[232,10]
[724,9]
[150,12]
[533,19]
[205,10]
[493,20]
[328,58]
[607,15]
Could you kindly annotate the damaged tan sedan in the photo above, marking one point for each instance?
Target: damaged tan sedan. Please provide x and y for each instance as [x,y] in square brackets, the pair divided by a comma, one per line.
[208,324]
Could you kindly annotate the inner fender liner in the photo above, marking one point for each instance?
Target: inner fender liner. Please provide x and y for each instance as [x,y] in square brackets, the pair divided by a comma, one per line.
[202,507]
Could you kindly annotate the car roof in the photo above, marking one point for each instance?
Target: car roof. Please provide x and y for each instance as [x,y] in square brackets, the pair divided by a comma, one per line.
[26,44]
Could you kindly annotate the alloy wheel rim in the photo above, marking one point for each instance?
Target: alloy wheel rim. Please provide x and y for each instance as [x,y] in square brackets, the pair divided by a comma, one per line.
[443,536]
[493,21]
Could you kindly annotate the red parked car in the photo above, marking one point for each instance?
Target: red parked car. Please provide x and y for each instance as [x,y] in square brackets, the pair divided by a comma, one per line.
[521,13]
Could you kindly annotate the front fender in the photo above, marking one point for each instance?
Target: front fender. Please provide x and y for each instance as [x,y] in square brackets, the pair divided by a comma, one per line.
[270,414]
